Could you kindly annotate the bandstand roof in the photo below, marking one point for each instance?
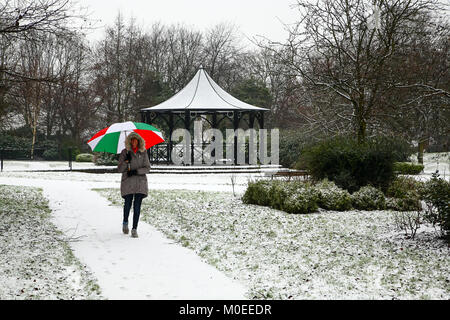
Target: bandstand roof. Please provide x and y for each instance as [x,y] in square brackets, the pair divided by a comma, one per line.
[202,93]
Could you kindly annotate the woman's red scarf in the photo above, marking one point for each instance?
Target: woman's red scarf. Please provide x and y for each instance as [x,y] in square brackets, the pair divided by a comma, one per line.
[135,149]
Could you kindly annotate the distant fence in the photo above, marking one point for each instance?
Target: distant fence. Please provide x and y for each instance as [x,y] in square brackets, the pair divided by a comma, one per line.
[25,154]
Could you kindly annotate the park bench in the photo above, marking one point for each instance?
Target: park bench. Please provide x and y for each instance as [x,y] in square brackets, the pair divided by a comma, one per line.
[292,174]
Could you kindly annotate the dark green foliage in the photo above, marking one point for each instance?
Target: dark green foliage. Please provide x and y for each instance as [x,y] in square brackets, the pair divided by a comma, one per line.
[51,154]
[297,196]
[331,197]
[258,193]
[8,141]
[292,143]
[253,92]
[278,193]
[20,141]
[404,194]
[153,90]
[64,150]
[106,159]
[349,164]
[402,186]
[407,168]
[368,198]
[400,148]
[436,194]
[47,150]
[301,201]
[292,197]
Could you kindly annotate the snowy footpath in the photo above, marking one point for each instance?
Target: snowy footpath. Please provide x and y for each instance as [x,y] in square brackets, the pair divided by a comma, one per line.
[148,267]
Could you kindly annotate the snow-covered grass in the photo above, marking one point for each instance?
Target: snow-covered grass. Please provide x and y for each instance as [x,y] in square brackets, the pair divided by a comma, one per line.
[36,261]
[324,255]
[435,161]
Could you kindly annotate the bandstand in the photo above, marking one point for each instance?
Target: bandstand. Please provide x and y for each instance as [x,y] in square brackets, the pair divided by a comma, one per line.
[203,100]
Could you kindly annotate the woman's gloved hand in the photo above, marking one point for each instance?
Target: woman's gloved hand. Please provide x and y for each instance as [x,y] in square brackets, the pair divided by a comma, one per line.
[132,173]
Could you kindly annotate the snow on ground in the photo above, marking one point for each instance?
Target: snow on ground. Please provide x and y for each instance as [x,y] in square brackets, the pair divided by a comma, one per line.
[209,245]
[435,161]
[213,182]
[35,260]
[324,255]
[150,267]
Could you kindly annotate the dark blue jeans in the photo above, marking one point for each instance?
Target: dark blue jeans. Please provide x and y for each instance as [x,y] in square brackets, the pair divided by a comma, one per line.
[136,207]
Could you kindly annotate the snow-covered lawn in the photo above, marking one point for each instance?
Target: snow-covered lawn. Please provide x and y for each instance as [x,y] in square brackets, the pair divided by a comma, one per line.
[435,161]
[36,261]
[324,255]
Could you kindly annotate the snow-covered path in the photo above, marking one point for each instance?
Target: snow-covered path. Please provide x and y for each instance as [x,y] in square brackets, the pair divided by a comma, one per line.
[149,267]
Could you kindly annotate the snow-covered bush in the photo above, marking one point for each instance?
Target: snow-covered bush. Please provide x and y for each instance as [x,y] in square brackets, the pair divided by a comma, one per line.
[436,194]
[331,197]
[404,194]
[350,164]
[292,197]
[409,203]
[258,192]
[302,200]
[84,157]
[106,159]
[279,191]
[408,168]
[368,198]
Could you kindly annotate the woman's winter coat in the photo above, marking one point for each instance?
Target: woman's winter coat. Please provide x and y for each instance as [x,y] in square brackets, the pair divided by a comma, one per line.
[139,162]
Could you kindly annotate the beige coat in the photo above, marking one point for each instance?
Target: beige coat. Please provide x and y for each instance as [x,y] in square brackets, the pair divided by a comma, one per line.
[140,162]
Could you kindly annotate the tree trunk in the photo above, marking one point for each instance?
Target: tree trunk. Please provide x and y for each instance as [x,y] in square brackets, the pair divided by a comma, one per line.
[33,141]
[421,148]
[361,124]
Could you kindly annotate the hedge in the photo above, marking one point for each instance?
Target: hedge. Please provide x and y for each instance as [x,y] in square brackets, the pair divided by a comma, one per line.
[407,168]
[84,157]
[351,165]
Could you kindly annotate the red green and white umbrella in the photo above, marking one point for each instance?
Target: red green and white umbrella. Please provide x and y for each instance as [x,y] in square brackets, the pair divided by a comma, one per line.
[112,138]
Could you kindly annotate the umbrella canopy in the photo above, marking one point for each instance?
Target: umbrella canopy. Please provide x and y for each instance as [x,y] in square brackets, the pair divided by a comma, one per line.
[112,139]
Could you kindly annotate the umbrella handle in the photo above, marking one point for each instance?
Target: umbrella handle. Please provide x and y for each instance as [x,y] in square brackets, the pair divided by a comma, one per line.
[128,164]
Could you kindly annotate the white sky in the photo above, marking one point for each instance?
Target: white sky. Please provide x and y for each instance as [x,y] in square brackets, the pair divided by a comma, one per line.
[252,17]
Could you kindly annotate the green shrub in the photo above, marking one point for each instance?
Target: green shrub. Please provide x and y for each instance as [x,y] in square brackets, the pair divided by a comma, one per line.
[368,198]
[401,186]
[278,193]
[407,168]
[292,197]
[436,194]
[84,157]
[398,147]
[291,146]
[349,164]
[331,197]
[257,193]
[8,141]
[405,204]
[106,159]
[301,201]
[404,194]
[50,154]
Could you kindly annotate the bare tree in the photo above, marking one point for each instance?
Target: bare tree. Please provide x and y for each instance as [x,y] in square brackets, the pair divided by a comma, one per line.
[116,69]
[36,62]
[27,20]
[342,51]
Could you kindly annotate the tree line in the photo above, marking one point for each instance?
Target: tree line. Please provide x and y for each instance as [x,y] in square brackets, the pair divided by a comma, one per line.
[365,67]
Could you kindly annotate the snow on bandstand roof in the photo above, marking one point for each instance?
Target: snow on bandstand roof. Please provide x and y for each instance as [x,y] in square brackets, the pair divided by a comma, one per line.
[202,93]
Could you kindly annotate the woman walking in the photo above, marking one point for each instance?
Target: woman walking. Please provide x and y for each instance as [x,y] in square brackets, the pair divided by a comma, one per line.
[134,165]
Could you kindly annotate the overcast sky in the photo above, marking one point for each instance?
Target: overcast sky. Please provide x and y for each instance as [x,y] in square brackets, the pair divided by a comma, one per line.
[253,17]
